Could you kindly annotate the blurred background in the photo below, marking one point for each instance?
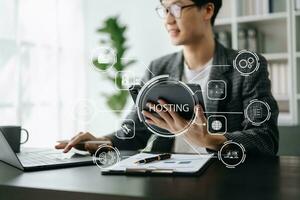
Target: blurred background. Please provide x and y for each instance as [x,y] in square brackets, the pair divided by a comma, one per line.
[49,83]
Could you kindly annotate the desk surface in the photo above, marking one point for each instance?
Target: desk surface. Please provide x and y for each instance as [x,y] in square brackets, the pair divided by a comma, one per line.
[258,178]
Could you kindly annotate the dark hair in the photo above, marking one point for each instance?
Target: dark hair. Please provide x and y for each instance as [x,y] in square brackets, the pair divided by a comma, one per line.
[217,3]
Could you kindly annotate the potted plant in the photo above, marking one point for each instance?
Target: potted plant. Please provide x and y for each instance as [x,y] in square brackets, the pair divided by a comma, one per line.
[116,40]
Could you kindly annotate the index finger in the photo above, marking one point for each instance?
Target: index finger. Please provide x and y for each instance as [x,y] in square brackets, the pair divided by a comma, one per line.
[75,142]
[173,114]
[200,112]
[61,145]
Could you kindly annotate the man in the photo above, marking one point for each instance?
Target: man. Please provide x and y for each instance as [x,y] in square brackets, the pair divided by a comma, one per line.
[190,24]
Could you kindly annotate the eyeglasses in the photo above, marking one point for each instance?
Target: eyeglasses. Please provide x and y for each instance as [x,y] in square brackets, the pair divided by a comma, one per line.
[174,9]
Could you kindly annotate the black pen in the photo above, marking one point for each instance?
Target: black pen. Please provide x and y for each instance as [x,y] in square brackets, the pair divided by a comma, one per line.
[163,156]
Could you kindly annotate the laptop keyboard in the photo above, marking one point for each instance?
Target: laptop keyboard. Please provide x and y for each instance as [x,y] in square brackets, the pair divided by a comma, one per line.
[50,157]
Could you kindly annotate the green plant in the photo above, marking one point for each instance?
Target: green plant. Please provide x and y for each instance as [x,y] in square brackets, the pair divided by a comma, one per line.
[117,41]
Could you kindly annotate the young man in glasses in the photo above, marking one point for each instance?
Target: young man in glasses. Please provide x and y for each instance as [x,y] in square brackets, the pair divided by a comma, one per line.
[202,59]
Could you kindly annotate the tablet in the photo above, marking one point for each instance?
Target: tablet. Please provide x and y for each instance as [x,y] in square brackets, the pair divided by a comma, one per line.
[180,97]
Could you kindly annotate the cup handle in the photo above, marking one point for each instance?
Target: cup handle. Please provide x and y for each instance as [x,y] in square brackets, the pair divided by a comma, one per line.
[27,137]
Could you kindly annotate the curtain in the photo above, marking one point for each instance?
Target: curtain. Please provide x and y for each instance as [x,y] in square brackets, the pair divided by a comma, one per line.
[42,67]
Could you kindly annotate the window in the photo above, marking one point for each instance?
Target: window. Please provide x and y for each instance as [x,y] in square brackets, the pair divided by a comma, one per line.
[42,67]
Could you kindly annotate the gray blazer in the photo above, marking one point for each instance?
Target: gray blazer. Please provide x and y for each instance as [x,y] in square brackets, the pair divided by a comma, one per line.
[241,90]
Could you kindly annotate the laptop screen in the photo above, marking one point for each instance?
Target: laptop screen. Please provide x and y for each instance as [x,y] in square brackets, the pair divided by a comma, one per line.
[7,155]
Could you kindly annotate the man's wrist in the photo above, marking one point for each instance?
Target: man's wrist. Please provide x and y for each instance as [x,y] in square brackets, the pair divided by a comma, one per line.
[215,142]
[105,138]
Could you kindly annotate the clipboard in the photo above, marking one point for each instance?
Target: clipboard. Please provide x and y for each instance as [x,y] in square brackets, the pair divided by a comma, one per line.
[177,165]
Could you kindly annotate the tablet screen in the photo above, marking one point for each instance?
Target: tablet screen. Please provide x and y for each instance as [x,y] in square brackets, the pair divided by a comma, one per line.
[178,99]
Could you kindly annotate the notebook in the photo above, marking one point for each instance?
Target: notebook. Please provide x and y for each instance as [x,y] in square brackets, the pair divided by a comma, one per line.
[178,164]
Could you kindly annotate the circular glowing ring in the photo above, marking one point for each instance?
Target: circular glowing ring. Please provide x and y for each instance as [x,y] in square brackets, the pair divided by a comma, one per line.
[267,117]
[236,65]
[147,87]
[111,50]
[95,159]
[230,165]
[88,104]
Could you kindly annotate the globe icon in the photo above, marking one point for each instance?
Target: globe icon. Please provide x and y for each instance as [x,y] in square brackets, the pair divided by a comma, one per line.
[216,125]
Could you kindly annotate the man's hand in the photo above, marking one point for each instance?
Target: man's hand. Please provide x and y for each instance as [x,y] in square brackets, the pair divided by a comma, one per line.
[169,119]
[196,133]
[81,137]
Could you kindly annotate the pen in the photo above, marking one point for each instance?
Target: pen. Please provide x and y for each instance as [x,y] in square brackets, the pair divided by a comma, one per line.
[164,156]
[85,142]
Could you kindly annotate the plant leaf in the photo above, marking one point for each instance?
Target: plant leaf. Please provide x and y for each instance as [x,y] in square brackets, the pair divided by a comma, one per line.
[117,40]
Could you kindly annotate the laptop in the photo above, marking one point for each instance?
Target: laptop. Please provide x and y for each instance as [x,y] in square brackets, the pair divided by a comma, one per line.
[40,159]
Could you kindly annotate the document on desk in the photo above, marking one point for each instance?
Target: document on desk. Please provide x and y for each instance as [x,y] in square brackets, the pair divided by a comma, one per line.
[178,163]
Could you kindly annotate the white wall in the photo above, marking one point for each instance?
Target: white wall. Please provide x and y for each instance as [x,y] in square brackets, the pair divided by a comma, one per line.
[146,37]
